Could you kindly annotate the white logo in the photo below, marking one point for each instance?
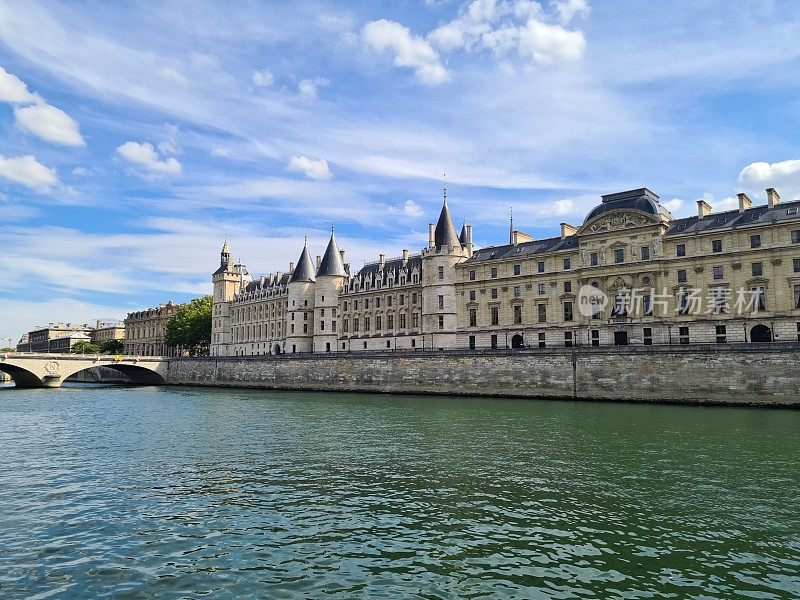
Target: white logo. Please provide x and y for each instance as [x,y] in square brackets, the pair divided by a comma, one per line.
[591,300]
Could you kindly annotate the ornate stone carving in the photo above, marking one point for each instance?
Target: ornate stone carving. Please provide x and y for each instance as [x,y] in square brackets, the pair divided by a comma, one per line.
[619,221]
[52,368]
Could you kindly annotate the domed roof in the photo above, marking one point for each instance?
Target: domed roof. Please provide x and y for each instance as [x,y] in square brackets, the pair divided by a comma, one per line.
[642,200]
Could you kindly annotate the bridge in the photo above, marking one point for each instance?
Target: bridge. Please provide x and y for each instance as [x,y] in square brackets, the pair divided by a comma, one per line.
[51,370]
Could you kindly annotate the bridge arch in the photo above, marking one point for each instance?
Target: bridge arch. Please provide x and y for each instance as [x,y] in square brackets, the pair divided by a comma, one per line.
[136,374]
[22,377]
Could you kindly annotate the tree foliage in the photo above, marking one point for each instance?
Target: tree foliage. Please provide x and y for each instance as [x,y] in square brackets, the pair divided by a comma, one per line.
[85,347]
[8,349]
[190,326]
[112,347]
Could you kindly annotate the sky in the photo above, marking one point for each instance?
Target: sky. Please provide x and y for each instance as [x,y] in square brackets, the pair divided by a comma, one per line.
[135,137]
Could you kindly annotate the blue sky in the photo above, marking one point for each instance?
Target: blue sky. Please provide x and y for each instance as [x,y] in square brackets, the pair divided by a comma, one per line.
[134,136]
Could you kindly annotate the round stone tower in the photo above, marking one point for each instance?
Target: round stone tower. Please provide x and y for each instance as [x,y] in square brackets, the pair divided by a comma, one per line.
[300,315]
[330,278]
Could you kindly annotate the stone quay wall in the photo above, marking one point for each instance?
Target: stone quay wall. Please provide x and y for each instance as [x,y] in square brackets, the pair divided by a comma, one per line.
[712,374]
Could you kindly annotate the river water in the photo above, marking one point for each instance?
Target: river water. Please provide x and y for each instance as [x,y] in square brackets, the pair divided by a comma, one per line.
[186,493]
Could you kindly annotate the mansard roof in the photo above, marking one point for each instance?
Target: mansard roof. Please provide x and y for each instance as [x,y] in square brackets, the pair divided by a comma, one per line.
[371,272]
[640,199]
[445,234]
[524,250]
[733,219]
[304,271]
[332,263]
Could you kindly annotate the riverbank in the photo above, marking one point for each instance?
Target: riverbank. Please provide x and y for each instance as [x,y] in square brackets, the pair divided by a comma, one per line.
[766,375]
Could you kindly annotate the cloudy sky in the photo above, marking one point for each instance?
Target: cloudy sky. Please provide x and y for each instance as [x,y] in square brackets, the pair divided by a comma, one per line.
[134,136]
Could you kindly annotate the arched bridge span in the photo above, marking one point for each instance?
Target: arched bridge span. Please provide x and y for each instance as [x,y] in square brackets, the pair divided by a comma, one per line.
[51,370]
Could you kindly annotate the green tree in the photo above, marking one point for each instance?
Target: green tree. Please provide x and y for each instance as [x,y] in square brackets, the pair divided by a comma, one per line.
[190,326]
[112,347]
[8,349]
[84,347]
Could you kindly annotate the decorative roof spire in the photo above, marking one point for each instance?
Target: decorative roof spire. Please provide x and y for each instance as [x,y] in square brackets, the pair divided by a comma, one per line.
[463,235]
[332,264]
[304,271]
[445,234]
[444,188]
[511,226]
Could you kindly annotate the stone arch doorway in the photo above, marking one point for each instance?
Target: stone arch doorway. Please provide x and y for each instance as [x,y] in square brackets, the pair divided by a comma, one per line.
[760,334]
[517,341]
[277,349]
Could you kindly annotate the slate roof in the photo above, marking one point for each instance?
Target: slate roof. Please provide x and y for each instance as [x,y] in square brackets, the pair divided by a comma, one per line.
[332,264]
[640,199]
[733,219]
[445,234]
[462,237]
[371,271]
[523,250]
[304,271]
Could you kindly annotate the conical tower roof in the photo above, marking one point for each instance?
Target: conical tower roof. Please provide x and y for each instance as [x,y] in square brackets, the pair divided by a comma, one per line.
[225,249]
[463,236]
[445,234]
[332,264]
[304,271]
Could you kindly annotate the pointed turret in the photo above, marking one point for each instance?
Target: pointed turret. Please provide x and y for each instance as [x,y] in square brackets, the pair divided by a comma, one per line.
[463,236]
[305,268]
[445,234]
[332,263]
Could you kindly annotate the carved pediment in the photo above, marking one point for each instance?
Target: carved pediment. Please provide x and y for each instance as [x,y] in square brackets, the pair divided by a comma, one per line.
[616,221]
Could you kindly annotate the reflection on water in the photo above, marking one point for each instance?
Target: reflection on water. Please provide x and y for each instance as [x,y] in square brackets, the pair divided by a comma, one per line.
[154,492]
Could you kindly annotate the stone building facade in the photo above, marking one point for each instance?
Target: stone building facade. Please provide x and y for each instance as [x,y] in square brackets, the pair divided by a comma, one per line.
[145,331]
[105,331]
[630,274]
[46,339]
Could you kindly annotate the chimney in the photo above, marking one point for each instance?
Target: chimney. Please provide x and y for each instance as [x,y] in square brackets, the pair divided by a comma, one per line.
[469,241]
[319,261]
[773,197]
[744,202]
[405,257]
[341,253]
[431,236]
[703,208]
[381,261]
[291,267]
[567,230]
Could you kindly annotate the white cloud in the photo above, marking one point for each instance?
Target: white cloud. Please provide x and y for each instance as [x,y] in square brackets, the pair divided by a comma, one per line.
[569,9]
[563,207]
[49,123]
[13,89]
[547,44]
[170,145]
[307,88]
[313,169]
[28,171]
[223,152]
[173,76]
[409,50]
[145,155]
[674,206]
[409,209]
[263,78]
[81,172]
[783,176]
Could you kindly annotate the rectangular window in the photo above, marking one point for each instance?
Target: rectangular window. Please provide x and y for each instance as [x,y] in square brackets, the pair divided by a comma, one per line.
[796,264]
[719,273]
[759,295]
[682,303]
[402,320]
[645,252]
[366,323]
[441,321]
[517,269]
[495,315]
[390,321]
[619,255]
[322,325]
[681,275]
[797,296]
[305,327]
[402,299]
[540,264]
[542,313]
[757,269]
[472,342]
[542,289]
[567,264]
[647,336]
[494,272]
[378,323]
[722,334]
[593,260]
[568,311]
[366,304]
[441,302]
[683,335]
[568,338]
[798,329]
[493,293]
[415,320]
[720,301]
[647,305]
[414,298]
[716,245]
[517,291]
[355,304]
[389,300]
[567,287]
[755,241]
[472,275]
[377,302]
[472,295]
[796,236]
[345,305]
[494,341]
[517,315]
[595,337]
[441,272]
[543,342]
[473,317]
[680,250]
